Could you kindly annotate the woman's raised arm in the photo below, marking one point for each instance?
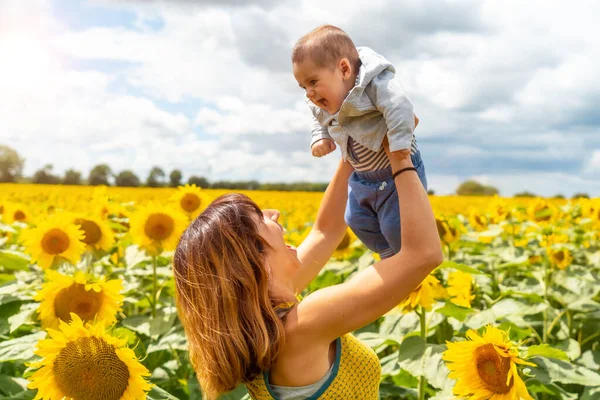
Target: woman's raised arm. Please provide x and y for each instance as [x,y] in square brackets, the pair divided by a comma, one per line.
[339,309]
[328,230]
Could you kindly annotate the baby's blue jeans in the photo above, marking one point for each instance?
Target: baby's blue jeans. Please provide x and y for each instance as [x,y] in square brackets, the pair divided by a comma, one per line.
[372,211]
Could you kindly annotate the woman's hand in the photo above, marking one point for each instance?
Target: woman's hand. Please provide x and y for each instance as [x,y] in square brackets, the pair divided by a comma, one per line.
[398,159]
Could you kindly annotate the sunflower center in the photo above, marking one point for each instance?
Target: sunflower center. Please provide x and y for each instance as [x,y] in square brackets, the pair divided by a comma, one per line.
[19,215]
[55,241]
[90,369]
[344,243]
[559,256]
[84,303]
[190,202]
[493,369]
[441,228]
[92,231]
[159,226]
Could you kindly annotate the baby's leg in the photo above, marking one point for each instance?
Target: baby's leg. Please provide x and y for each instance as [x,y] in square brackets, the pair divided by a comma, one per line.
[361,217]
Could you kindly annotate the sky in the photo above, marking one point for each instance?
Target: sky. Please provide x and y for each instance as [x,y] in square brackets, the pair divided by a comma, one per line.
[507,93]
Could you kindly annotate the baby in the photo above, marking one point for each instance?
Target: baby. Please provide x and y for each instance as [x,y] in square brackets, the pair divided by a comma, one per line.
[356,104]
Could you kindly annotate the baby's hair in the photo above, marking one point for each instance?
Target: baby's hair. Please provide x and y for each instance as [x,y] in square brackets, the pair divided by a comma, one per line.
[325,46]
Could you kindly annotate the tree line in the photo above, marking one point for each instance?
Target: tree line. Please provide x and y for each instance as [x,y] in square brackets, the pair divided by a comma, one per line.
[11,170]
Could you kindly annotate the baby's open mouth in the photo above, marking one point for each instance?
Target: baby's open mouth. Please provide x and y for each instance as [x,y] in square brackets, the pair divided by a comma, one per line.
[323,103]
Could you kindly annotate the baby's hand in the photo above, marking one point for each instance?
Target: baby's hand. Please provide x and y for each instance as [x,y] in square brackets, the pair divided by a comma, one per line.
[323,147]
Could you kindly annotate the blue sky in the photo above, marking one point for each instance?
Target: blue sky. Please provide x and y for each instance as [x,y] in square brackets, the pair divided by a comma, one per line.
[507,92]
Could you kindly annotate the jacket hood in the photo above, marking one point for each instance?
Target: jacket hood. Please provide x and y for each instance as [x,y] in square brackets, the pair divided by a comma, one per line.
[372,64]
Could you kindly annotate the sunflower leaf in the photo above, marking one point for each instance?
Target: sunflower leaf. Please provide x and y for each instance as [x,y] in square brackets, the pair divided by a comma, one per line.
[461,267]
[421,359]
[26,315]
[13,260]
[452,310]
[549,371]
[10,385]
[159,394]
[544,350]
[20,349]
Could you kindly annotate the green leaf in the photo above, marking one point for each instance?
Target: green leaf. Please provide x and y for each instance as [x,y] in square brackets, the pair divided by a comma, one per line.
[26,315]
[124,333]
[235,394]
[389,364]
[502,309]
[591,393]
[24,395]
[452,310]
[15,292]
[152,327]
[135,256]
[20,349]
[371,339]
[421,359]
[571,347]
[549,370]
[536,386]
[461,267]
[13,260]
[590,359]
[544,350]
[156,393]
[10,385]
[172,341]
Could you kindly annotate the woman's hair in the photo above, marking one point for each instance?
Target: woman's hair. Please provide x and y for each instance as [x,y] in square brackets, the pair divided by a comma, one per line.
[325,46]
[222,295]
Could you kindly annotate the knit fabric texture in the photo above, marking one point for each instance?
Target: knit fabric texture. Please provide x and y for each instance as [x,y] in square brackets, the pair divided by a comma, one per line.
[356,375]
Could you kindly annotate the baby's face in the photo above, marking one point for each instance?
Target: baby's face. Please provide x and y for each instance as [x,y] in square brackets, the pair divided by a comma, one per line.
[326,87]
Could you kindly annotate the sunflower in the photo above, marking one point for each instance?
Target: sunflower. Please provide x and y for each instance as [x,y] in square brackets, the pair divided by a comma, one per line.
[157,228]
[486,367]
[345,249]
[448,229]
[478,220]
[52,239]
[554,238]
[459,288]
[190,200]
[540,211]
[561,258]
[63,296]
[97,233]
[424,295]
[16,213]
[82,361]
[499,211]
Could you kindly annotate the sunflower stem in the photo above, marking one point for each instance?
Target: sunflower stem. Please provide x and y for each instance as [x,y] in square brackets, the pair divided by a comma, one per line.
[423,319]
[154,284]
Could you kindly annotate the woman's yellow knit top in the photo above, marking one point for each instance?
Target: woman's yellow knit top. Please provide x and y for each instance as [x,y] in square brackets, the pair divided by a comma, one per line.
[355,374]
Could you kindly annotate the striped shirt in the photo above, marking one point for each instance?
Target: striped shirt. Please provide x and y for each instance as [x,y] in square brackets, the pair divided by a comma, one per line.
[363,159]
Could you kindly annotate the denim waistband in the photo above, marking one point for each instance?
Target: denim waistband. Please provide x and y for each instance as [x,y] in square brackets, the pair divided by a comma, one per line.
[374,176]
[384,174]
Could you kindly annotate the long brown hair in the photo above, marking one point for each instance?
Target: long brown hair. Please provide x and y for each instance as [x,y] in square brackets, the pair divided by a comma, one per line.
[222,295]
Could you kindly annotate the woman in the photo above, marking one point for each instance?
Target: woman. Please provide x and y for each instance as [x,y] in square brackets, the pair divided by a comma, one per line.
[236,282]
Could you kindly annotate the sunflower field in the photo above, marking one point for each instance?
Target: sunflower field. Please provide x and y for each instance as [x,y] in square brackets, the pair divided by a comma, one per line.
[87,308]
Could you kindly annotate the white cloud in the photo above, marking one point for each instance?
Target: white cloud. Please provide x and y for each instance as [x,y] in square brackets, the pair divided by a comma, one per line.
[237,118]
[593,166]
[502,75]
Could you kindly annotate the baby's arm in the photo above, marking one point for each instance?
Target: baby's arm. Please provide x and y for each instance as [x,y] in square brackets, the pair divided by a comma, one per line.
[321,143]
[397,110]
